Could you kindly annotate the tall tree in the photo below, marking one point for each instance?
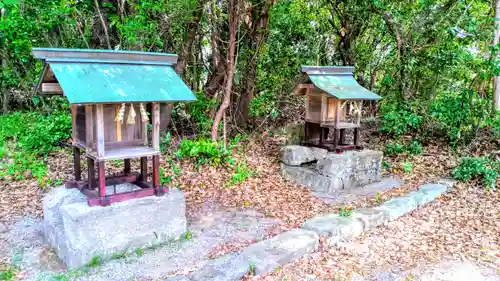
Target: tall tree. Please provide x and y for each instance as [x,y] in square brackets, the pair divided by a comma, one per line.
[257,20]
[233,25]
[496,41]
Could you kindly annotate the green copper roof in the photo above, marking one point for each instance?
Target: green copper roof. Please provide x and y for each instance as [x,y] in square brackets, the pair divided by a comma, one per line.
[339,82]
[90,76]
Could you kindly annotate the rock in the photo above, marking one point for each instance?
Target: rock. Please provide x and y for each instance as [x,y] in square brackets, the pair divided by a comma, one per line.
[284,248]
[348,162]
[449,183]
[309,178]
[431,191]
[370,217]
[397,207]
[226,268]
[335,227]
[78,232]
[295,155]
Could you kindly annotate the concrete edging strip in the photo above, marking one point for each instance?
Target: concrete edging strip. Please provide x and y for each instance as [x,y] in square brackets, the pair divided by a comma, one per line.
[286,247]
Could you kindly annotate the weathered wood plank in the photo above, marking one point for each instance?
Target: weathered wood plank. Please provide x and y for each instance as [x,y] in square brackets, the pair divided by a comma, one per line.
[155,139]
[118,126]
[89,127]
[100,130]
[54,88]
[74,113]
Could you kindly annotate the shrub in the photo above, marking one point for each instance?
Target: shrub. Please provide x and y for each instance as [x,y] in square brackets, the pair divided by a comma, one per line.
[204,152]
[412,148]
[241,174]
[399,119]
[459,115]
[482,168]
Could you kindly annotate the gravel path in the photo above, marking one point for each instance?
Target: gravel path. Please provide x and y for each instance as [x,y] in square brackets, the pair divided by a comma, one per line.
[462,225]
[213,231]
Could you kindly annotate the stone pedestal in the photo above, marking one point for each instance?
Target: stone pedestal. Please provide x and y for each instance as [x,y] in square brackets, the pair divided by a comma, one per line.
[331,171]
[78,232]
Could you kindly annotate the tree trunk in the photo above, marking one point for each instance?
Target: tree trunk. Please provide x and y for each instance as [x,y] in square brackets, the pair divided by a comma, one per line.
[192,27]
[187,46]
[496,40]
[233,24]
[257,37]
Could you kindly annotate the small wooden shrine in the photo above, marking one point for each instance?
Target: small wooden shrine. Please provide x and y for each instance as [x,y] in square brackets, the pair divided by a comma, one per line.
[333,101]
[109,93]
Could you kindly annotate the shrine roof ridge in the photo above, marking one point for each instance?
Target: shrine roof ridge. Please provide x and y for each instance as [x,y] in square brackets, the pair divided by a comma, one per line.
[103,56]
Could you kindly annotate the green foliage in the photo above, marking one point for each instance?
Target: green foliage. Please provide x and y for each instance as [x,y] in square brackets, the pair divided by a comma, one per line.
[251,269]
[198,113]
[95,261]
[412,148]
[378,198]
[186,236]
[407,167]
[25,140]
[393,149]
[204,151]
[241,173]
[7,274]
[119,255]
[481,168]
[139,252]
[345,212]
[399,119]
[459,115]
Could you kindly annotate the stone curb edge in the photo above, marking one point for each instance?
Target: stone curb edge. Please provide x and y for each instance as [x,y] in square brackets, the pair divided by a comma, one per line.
[288,246]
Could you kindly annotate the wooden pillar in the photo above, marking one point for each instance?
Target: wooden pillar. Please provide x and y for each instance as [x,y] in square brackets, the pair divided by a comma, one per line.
[100,130]
[144,169]
[342,136]
[335,138]
[126,166]
[337,123]
[91,173]
[156,171]
[102,179]
[358,122]
[77,164]
[89,127]
[155,138]
[356,136]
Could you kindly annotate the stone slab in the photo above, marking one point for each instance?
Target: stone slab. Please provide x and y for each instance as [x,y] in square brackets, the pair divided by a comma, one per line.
[398,207]
[337,165]
[78,232]
[296,155]
[370,217]
[284,248]
[335,227]
[308,177]
[346,196]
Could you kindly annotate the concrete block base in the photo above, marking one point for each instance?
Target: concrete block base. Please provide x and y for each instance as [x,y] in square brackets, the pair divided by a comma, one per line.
[78,232]
[331,172]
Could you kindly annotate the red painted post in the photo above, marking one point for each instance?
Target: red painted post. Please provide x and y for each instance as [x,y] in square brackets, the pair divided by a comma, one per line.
[102,179]
[76,163]
[144,169]
[91,173]
[126,164]
[156,171]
